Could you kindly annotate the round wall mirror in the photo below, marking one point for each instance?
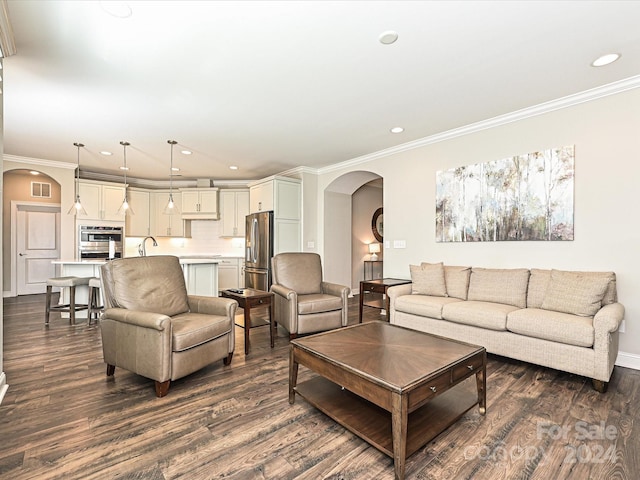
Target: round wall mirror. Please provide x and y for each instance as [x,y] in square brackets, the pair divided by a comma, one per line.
[377,224]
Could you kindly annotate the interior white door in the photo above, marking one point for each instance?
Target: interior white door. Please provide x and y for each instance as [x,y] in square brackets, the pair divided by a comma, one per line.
[37,242]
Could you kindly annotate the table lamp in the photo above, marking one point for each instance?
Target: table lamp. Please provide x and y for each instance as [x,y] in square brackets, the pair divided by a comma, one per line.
[374,248]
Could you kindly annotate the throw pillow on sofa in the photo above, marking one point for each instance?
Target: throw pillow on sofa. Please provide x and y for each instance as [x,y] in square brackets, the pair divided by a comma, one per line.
[428,279]
[578,293]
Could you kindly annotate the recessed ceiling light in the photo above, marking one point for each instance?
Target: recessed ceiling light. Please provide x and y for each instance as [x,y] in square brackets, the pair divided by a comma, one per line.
[397,130]
[388,37]
[186,152]
[33,172]
[175,169]
[233,167]
[124,168]
[605,59]
[106,154]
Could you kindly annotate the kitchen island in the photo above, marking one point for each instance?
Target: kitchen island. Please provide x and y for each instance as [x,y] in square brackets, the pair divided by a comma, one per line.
[200,275]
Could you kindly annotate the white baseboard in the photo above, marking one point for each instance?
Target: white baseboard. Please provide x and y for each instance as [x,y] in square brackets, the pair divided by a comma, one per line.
[628,360]
[3,386]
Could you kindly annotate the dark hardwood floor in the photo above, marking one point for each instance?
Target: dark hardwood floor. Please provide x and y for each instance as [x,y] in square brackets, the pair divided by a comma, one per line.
[63,418]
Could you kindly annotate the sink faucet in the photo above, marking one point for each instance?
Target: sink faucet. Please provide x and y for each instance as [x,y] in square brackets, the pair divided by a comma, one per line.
[142,251]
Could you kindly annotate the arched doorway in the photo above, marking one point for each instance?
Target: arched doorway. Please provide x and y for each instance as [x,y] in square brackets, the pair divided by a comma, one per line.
[31,217]
[349,204]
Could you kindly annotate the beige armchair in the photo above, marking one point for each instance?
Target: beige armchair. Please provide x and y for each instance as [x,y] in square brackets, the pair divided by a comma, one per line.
[151,327]
[303,302]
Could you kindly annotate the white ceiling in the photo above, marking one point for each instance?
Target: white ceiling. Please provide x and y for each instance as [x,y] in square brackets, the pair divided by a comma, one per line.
[269,86]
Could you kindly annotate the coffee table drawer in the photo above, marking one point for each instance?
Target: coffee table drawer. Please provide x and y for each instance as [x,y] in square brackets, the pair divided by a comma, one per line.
[432,388]
[468,367]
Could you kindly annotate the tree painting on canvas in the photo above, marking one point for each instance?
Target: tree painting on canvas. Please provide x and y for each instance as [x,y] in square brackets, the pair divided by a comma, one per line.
[526,197]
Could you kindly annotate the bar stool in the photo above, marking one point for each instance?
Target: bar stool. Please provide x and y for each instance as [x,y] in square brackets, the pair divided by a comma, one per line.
[94,296]
[71,307]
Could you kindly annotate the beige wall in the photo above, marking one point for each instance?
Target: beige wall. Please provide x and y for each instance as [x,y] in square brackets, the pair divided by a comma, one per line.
[607,168]
[17,187]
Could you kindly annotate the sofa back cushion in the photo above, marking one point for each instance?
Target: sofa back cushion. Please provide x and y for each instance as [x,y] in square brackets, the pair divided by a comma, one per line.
[578,293]
[508,286]
[428,279]
[540,279]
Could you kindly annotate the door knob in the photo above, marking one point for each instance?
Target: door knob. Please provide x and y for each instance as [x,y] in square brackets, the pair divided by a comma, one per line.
[22,254]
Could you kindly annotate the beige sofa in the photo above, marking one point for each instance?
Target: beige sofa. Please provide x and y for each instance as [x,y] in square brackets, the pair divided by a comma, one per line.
[559,319]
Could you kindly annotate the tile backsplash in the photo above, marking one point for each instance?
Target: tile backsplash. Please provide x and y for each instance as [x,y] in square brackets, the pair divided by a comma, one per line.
[205,240]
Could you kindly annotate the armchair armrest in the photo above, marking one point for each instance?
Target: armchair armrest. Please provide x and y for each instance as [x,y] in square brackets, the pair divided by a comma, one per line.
[212,305]
[155,321]
[284,292]
[335,289]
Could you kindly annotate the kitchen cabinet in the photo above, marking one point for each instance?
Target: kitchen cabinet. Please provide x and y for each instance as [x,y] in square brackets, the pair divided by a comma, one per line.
[201,278]
[283,195]
[138,224]
[101,200]
[230,273]
[161,224]
[199,203]
[280,194]
[234,207]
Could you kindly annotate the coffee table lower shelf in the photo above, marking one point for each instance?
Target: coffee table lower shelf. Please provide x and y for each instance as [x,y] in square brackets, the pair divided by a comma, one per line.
[373,424]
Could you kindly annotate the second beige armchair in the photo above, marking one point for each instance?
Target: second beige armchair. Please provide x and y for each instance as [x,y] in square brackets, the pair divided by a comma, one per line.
[304,303]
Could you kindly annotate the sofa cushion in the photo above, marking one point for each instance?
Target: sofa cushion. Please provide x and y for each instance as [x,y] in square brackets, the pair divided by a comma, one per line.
[189,330]
[577,293]
[508,286]
[479,314]
[318,303]
[539,281]
[553,326]
[428,279]
[423,305]
[456,279]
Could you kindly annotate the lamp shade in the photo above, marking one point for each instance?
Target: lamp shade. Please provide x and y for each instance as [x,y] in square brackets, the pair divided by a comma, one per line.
[374,248]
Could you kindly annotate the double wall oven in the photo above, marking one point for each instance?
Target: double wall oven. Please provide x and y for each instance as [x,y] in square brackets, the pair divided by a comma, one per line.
[99,242]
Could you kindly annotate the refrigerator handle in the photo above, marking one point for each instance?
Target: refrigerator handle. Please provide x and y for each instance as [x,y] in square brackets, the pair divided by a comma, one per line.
[254,240]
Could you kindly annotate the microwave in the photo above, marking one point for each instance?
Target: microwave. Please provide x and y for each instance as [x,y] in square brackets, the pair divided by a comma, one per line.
[93,242]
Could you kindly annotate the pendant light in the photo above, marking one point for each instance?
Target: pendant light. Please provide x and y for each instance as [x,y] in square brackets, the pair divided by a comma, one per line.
[171,208]
[77,208]
[125,208]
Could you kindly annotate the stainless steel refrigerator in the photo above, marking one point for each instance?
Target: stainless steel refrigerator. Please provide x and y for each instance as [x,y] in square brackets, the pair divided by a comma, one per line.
[259,250]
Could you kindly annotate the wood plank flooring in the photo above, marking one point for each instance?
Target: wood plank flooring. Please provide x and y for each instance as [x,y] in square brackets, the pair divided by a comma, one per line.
[63,418]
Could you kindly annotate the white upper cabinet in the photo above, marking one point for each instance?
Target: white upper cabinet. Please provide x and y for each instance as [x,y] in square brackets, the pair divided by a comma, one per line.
[138,224]
[163,225]
[234,207]
[280,194]
[101,200]
[200,204]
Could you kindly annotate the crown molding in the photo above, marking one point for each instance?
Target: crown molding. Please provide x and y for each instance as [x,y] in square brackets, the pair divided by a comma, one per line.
[39,161]
[540,109]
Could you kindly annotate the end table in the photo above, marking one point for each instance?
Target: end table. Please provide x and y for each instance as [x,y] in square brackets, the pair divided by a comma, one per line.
[247,298]
[378,286]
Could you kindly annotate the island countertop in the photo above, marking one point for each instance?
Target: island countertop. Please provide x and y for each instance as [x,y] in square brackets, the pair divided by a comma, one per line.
[187,260]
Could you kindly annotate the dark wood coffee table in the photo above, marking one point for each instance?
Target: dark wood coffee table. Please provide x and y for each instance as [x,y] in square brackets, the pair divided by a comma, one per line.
[389,372]
[247,298]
